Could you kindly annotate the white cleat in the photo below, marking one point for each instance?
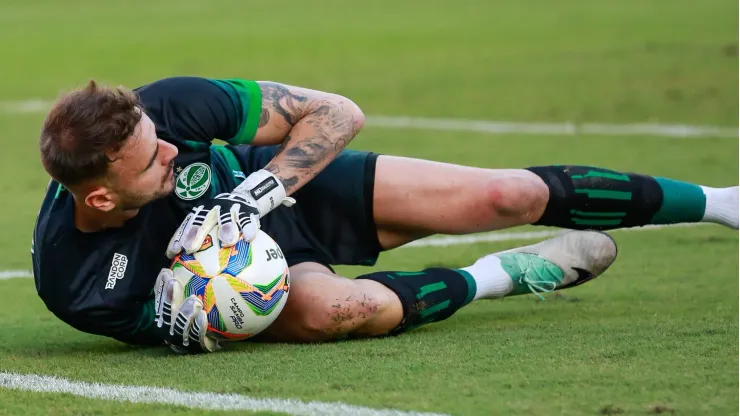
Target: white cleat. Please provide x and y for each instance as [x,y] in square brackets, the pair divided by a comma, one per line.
[564,261]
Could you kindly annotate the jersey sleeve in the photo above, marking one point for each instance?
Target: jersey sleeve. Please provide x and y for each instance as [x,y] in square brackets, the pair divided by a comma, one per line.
[134,325]
[193,111]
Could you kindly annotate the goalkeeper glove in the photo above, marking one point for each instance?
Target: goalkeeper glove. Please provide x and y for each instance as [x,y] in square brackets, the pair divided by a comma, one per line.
[237,213]
[182,324]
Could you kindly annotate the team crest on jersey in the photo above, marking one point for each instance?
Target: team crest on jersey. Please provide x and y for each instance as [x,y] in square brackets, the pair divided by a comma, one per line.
[193,181]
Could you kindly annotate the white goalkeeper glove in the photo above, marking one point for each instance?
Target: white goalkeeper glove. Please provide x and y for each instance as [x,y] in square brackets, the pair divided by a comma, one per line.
[182,323]
[236,213]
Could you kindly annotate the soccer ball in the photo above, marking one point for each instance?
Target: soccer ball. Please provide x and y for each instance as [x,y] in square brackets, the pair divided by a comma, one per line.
[243,288]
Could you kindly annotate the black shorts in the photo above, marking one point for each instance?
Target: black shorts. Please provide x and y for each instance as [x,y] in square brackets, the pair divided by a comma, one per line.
[332,220]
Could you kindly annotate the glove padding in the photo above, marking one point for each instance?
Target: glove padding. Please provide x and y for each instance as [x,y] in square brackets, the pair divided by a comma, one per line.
[233,213]
[182,324]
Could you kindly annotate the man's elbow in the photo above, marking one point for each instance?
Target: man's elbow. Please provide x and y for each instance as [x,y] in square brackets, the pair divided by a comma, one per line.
[358,117]
[356,114]
[344,111]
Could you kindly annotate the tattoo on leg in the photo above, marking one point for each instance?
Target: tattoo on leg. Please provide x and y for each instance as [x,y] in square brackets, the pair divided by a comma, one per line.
[342,316]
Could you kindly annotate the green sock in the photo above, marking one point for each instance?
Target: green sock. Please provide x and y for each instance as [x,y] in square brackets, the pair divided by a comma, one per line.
[427,296]
[682,202]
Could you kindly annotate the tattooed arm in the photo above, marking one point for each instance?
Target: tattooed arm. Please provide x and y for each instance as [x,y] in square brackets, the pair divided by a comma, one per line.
[312,127]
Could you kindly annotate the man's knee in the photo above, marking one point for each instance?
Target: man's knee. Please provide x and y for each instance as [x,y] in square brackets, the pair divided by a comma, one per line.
[323,306]
[515,194]
[335,313]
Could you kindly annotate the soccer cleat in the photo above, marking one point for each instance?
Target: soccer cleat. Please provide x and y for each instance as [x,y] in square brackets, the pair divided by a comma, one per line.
[568,260]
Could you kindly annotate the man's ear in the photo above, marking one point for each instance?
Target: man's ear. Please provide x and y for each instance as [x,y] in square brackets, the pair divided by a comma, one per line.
[100,198]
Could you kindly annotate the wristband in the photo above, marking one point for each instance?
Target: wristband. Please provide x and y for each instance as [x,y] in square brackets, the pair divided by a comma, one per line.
[266,190]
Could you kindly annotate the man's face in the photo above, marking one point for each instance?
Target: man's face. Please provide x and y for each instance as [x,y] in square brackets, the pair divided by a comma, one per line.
[143,170]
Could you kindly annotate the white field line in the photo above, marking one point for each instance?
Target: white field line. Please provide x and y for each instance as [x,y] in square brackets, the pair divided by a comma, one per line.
[491,127]
[443,241]
[197,400]
[24,107]
[11,274]
[677,131]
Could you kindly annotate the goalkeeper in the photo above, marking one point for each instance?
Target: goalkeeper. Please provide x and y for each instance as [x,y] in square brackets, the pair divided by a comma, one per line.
[135,178]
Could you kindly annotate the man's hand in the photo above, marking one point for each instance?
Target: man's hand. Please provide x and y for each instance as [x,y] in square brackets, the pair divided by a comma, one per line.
[182,324]
[237,213]
[233,213]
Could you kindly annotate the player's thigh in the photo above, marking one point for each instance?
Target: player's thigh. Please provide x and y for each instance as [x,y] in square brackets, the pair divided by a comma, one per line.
[414,198]
[323,306]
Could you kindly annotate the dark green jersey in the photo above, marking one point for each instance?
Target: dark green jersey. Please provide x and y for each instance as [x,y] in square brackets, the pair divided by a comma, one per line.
[102,282]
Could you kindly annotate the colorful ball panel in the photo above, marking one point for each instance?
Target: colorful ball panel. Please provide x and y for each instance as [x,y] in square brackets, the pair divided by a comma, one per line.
[243,288]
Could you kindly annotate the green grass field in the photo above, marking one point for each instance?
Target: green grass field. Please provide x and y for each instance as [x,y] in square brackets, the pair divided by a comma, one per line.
[657,333]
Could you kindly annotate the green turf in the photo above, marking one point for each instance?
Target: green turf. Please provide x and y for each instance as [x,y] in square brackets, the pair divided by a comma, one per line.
[659,329]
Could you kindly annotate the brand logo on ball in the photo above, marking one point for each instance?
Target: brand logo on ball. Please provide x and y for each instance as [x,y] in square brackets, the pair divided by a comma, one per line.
[238,315]
[193,181]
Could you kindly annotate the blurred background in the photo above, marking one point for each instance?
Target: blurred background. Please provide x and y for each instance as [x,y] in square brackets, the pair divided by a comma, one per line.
[423,71]
[621,61]
[627,61]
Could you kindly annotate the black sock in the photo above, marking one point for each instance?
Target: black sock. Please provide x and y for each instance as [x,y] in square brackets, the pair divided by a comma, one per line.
[584,197]
[427,296]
